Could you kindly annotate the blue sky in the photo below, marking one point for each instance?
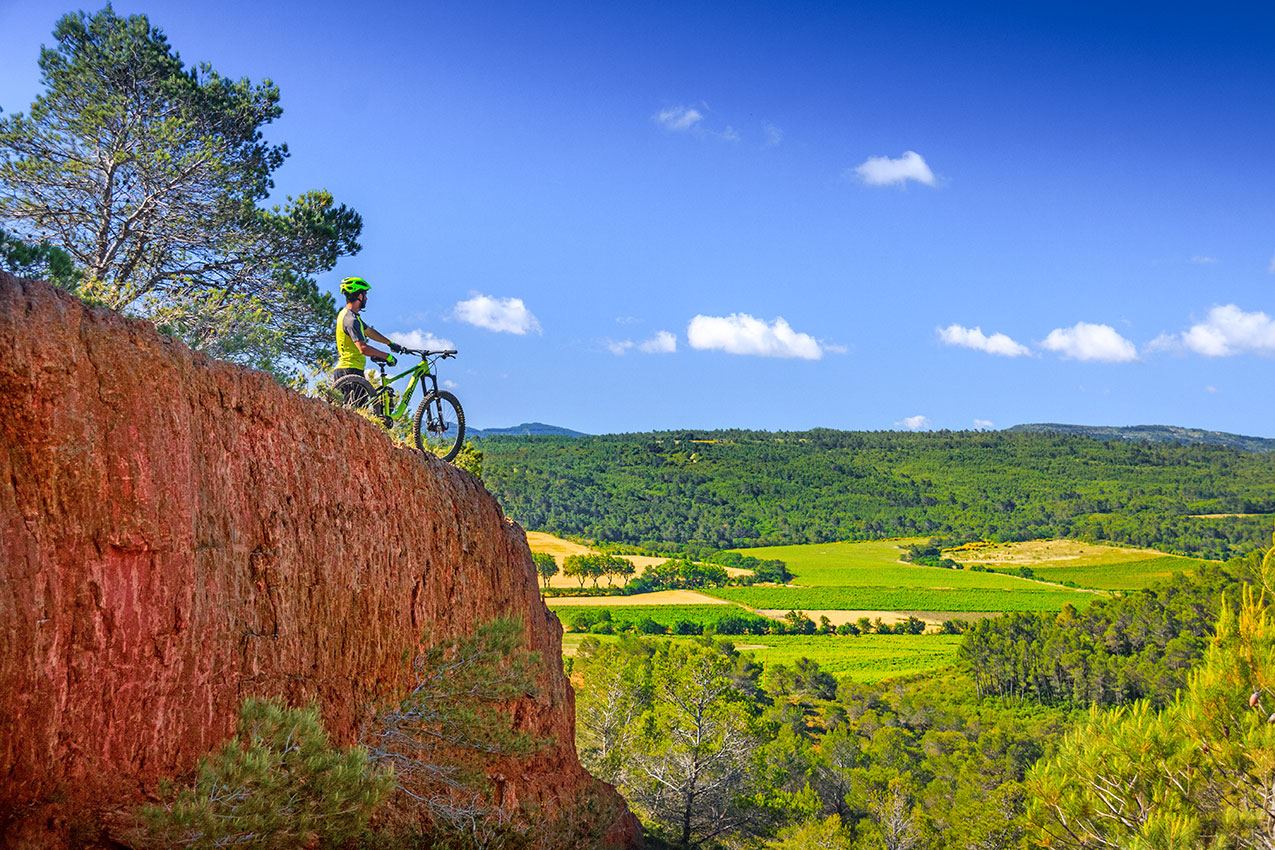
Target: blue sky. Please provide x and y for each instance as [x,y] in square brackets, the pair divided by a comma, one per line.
[862,216]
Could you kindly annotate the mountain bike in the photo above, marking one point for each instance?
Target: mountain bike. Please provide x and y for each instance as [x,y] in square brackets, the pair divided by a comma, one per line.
[439,427]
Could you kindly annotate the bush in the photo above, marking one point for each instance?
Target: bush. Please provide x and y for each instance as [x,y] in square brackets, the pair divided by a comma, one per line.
[582,621]
[648,626]
[278,783]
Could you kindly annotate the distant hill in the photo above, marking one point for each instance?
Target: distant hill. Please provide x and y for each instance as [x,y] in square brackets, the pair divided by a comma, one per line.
[734,489]
[526,429]
[1156,434]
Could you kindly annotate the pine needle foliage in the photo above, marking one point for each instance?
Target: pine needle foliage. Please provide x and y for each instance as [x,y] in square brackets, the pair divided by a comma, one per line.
[279,783]
[456,720]
[1199,774]
[149,175]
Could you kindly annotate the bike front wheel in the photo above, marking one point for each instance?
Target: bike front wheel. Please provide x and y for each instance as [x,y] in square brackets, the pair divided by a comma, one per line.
[440,425]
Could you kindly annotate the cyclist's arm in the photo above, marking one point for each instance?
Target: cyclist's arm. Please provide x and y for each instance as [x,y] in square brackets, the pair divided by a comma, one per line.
[371,350]
[377,335]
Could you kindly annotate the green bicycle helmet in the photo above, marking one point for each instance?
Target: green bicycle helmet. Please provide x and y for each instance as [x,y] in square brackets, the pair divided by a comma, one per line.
[354,285]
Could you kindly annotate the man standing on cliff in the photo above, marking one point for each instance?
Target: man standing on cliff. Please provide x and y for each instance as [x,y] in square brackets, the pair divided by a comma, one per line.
[352,333]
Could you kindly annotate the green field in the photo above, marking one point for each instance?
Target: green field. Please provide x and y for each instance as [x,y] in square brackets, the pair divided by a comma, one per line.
[1119,575]
[865,658]
[955,598]
[876,564]
[837,564]
[665,615]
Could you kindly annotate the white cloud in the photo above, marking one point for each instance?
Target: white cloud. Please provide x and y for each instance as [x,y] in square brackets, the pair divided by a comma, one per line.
[1203,260]
[662,343]
[1271,268]
[419,339]
[914,423]
[1229,330]
[983,424]
[997,343]
[503,315]
[677,118]
[619,348]
[1164,342]
[1210,389]
[883,171]
[1084,341]
[774,135]
[450,385]
[740,333]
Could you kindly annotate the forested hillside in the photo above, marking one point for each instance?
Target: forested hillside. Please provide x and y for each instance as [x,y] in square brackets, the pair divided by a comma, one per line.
[750,488]
[1157,434]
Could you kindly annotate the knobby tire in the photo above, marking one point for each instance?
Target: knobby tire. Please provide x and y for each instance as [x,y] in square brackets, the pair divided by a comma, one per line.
[433,435]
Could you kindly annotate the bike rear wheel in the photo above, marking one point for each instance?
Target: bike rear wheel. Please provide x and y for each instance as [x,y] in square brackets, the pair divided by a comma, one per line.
[358,392]
[440,425]
[355,389]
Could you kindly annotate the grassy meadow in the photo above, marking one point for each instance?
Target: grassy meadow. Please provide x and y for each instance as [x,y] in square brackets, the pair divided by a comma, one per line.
[665,615]
[863,658]
[871,579]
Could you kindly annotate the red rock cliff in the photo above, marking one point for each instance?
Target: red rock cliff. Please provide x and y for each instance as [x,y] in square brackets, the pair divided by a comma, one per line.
[177,534]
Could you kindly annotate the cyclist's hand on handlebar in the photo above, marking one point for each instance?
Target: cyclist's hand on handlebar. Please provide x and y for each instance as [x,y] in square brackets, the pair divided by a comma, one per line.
[396,348]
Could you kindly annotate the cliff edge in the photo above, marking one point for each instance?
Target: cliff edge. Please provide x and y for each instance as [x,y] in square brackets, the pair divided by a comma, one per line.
[177,534]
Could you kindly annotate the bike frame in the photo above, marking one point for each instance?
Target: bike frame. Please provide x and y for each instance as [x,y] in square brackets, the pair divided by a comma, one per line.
[420,373]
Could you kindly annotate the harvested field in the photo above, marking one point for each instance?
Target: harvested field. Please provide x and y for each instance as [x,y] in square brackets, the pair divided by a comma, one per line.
[1032,553]
[540,541]
[659,597]
[933,619]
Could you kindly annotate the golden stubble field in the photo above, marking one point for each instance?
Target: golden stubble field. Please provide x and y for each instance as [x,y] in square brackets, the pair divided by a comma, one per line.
[539,541]
[1044,552]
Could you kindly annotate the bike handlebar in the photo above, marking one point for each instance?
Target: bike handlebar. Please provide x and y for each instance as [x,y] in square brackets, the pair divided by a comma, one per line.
[444,353]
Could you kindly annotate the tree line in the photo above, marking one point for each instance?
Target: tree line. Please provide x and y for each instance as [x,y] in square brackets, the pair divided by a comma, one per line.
[738,489]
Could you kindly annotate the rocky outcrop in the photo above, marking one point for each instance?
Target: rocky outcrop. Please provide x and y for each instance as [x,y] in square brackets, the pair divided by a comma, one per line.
[177,534]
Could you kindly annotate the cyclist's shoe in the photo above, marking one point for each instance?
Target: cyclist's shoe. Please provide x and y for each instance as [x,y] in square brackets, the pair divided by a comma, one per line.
[391,360]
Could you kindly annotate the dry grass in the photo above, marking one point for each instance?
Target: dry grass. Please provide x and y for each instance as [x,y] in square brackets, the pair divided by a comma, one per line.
[659,597]
[540,541]
[837,618]
[1048,552]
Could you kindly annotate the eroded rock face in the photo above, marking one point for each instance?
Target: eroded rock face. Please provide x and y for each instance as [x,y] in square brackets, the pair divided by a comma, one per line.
[177,534]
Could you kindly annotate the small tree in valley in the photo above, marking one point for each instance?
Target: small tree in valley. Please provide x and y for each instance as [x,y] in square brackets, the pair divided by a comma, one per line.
[546,567]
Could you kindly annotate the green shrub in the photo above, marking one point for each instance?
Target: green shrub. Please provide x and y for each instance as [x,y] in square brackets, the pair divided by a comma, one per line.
[278,783]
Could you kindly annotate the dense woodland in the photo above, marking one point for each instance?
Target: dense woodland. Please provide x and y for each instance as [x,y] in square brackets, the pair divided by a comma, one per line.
[1138,645]
[747,488]
[1141,722]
